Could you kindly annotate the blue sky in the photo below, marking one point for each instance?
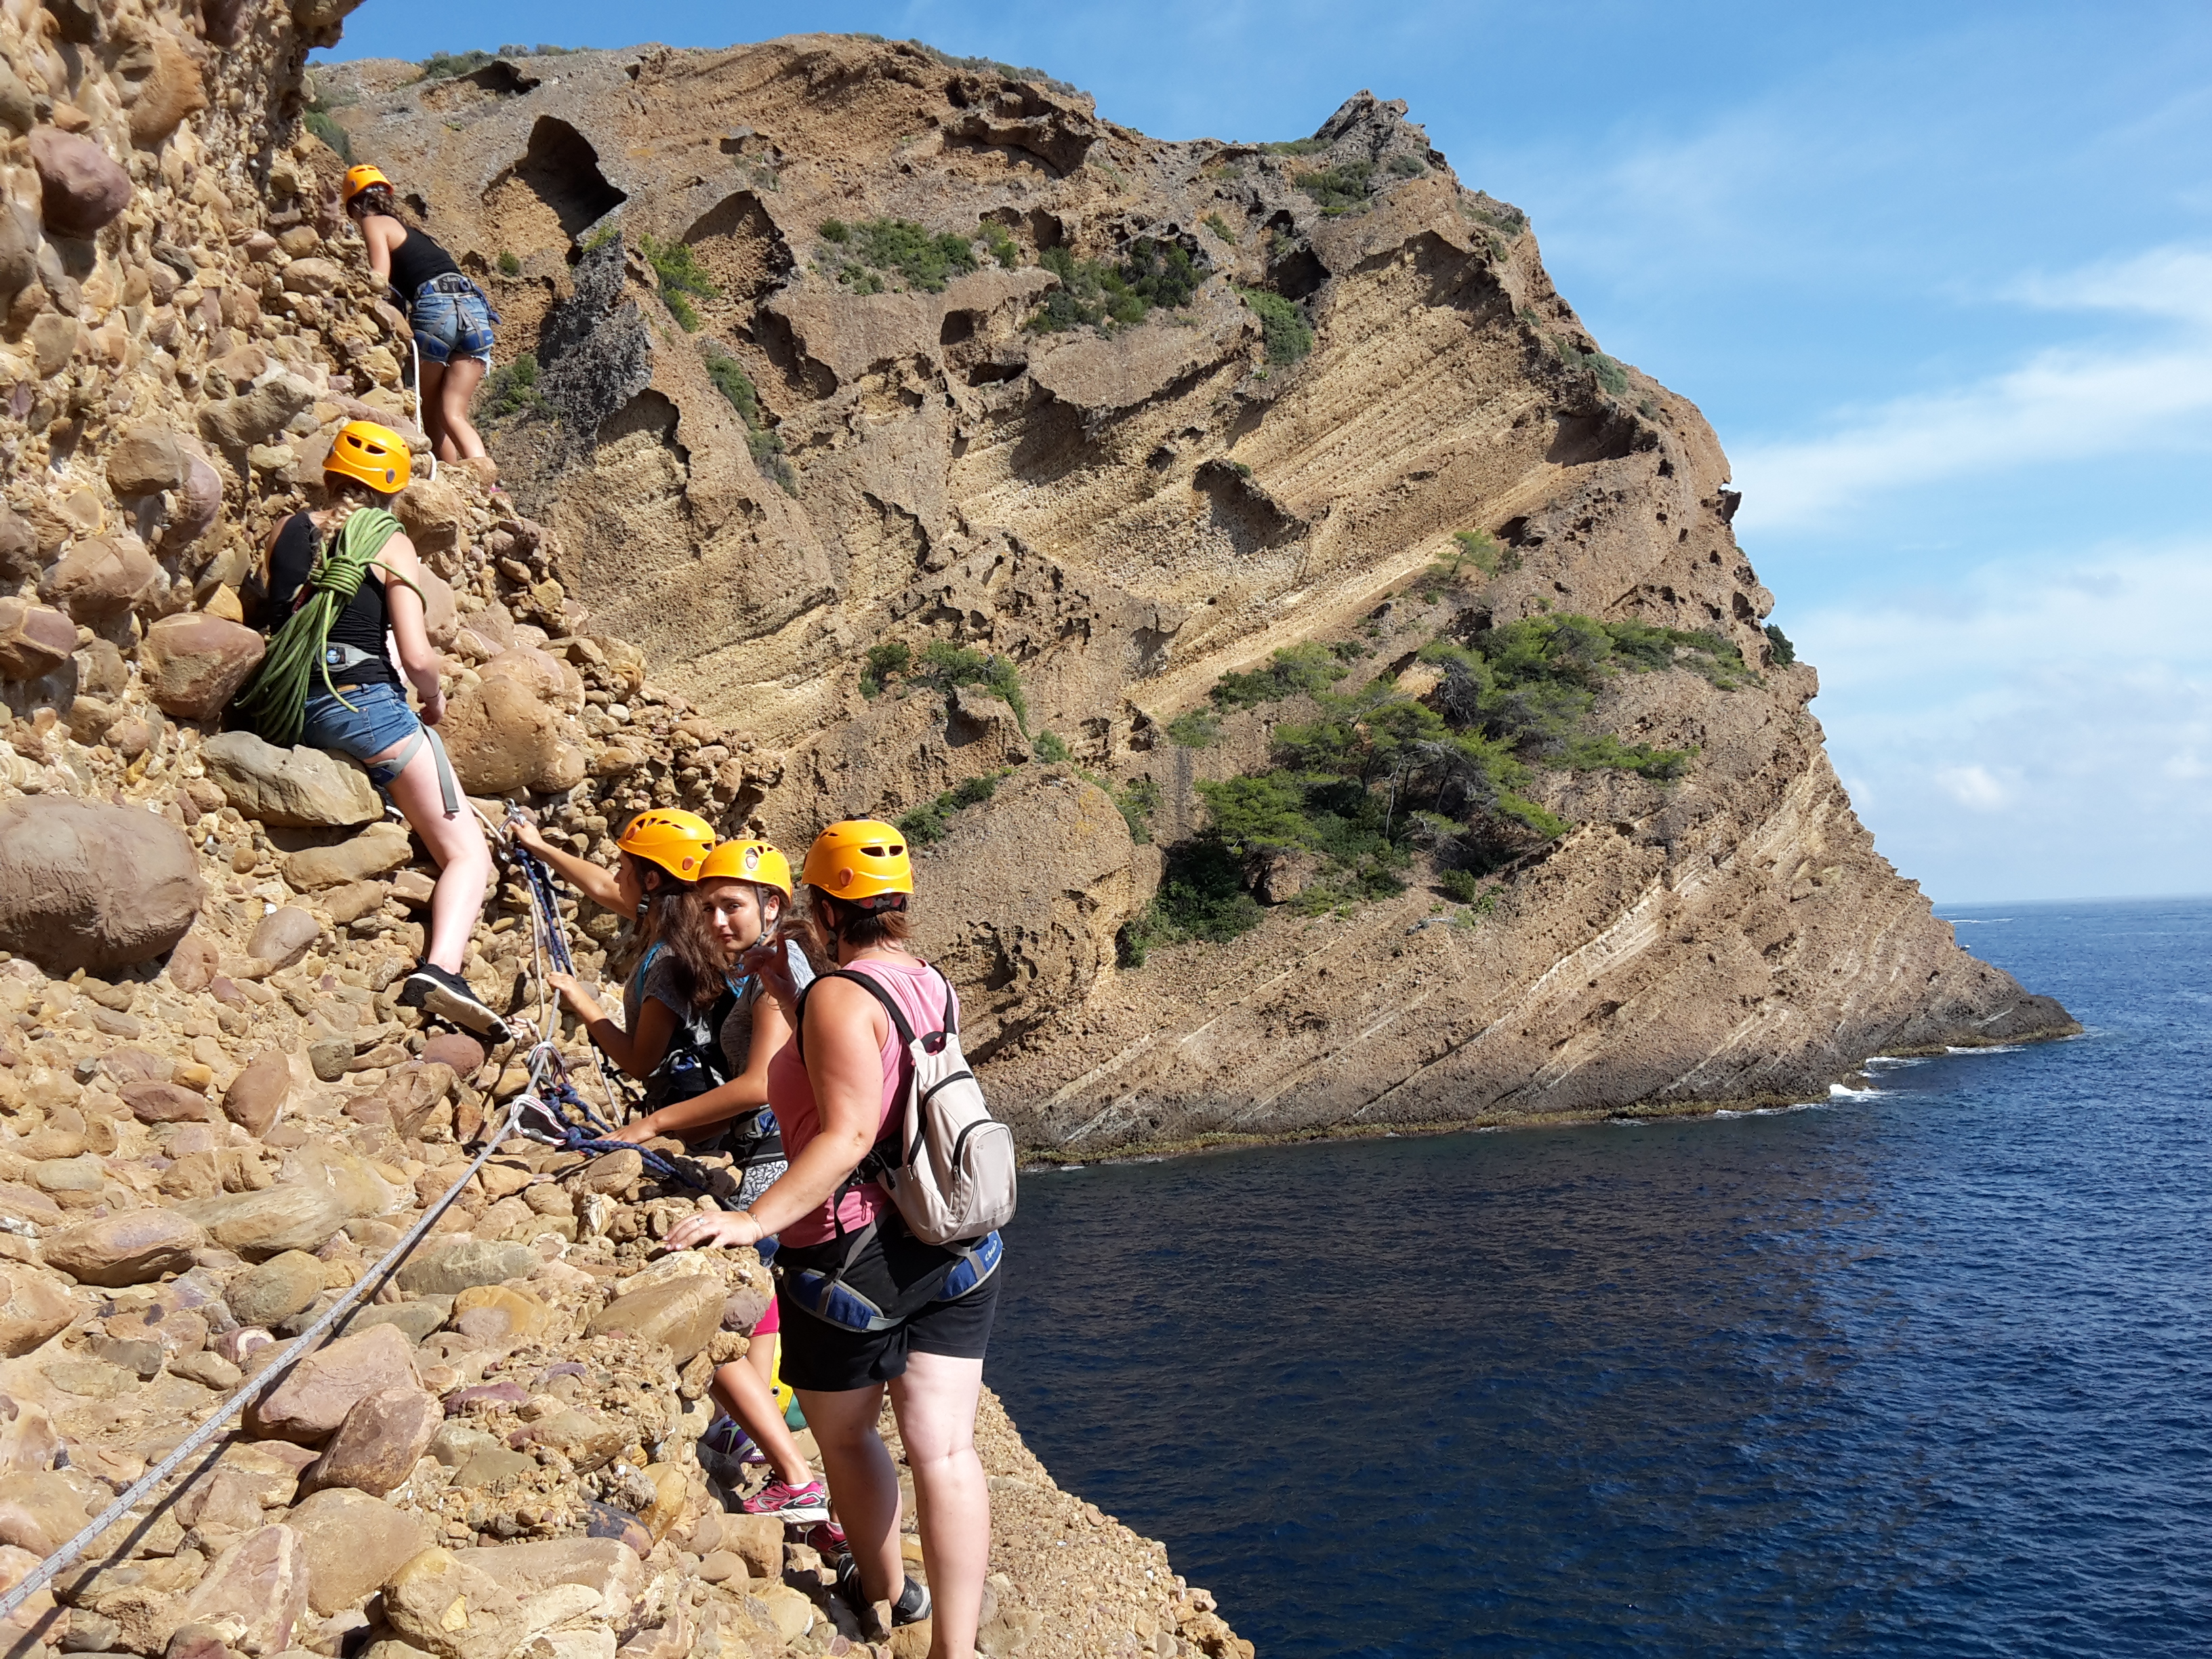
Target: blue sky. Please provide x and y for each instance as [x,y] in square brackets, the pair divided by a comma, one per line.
[1940,276]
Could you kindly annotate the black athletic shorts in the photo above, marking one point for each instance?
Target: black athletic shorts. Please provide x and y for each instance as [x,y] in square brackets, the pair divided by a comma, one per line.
[826,1359]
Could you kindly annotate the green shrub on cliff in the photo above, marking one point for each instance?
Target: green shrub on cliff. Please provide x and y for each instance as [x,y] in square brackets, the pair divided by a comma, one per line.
[928,823]
[1283,330]
[1777,643]
[877,250]
[1295,668]
[1093,294]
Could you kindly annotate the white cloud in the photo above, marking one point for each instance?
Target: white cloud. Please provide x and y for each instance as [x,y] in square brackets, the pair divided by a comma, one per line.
[2060,406]
[2041,729]
[1972,787]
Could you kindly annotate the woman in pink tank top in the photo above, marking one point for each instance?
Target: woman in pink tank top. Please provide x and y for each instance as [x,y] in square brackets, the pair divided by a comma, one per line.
[836,1090]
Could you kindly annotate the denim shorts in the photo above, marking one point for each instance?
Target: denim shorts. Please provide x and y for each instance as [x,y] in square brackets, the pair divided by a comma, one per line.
[452,323]
[379,717]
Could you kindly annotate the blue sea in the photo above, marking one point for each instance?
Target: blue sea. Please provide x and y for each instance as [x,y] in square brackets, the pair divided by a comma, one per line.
[1925,1368]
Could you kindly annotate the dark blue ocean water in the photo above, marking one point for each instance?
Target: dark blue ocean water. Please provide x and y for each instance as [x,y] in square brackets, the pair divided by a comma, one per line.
[1926,1370]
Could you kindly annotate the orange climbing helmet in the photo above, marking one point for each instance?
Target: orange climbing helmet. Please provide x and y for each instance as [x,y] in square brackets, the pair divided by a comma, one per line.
[677,841]
[859,858]
[375,455]
[749,860]
[359,179]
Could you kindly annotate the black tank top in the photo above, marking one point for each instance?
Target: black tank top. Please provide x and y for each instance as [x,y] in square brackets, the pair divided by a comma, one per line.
[362,625]
[415,260]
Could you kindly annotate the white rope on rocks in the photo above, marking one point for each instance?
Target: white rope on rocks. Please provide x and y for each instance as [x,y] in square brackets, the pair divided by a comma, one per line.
[51,1568]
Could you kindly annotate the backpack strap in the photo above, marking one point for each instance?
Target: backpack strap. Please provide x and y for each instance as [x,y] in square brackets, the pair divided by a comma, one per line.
[882,1155]
[874,989]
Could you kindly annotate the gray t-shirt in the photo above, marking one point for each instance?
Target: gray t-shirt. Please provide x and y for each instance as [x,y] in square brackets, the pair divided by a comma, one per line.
[663,981]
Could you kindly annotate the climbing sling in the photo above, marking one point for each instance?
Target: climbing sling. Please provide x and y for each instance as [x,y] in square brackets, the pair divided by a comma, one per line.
[273,702]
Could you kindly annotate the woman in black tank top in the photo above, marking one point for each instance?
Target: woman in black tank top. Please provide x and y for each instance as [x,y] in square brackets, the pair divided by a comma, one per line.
[451,317]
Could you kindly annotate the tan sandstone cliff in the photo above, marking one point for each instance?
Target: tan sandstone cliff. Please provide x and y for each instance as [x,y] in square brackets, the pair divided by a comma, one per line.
[1126,513]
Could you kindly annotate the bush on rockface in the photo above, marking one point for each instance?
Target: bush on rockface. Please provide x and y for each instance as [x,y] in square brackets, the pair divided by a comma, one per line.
[764,444]
[1283,331]
[876,252]
[682,277]
[1377,776]
[1093,294]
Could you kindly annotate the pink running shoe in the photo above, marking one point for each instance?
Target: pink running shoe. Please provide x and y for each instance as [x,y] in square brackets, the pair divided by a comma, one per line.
[791,1503]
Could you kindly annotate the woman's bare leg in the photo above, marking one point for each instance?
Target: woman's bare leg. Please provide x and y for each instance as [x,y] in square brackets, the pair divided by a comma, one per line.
[430,404]
[744,1392]
[461,441]
[935,1404]
[456,842]
[863,1482]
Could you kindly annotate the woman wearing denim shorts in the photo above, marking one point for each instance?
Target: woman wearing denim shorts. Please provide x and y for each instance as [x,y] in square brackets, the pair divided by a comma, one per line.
[357,704]
[449,314]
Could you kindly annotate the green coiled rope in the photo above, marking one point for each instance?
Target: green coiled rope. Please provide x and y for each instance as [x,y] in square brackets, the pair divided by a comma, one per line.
[273,702]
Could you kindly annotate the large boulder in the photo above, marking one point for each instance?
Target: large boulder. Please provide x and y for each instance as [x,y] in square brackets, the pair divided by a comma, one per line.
[127,1249]
[435,515]
[309,1404]
[378,1444]
[85,884]
[452,1610]
[503,738]
[194,506]
[148,459]
[101,577]
[194,663]
[684,1313]
[19,539]
[34,640]
[237,422]
[32,1310]
[276,1290]
[39,1512]
[289,1216]
[283,936]
[380,848]
[461,1266]
[169,90]
[81,186]
[259,1584]
[300,789]
[606,1566]
[259,1092]
[353,1543]
[313,276]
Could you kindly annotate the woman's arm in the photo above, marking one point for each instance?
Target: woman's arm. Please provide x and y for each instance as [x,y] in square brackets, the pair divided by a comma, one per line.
[845,1033]
[381,233]
[742,1093]
[594,881]
[418,660]
[634,1053]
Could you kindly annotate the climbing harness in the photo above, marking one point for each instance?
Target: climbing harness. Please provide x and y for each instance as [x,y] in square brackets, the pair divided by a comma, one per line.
[275,701]
[556,1112]
[47,1571]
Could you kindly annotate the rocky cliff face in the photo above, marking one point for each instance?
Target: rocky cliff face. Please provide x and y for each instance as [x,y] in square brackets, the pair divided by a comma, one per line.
[214,1117]
[1124,510]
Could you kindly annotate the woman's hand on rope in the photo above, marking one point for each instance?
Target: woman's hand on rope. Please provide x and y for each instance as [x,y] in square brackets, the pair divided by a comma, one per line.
[578,999]
[531,837]
[731,1227]
[635,1133]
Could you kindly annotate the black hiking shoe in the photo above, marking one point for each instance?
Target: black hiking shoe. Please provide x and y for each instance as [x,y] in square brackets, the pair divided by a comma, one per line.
[911,1608]
[434,991]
